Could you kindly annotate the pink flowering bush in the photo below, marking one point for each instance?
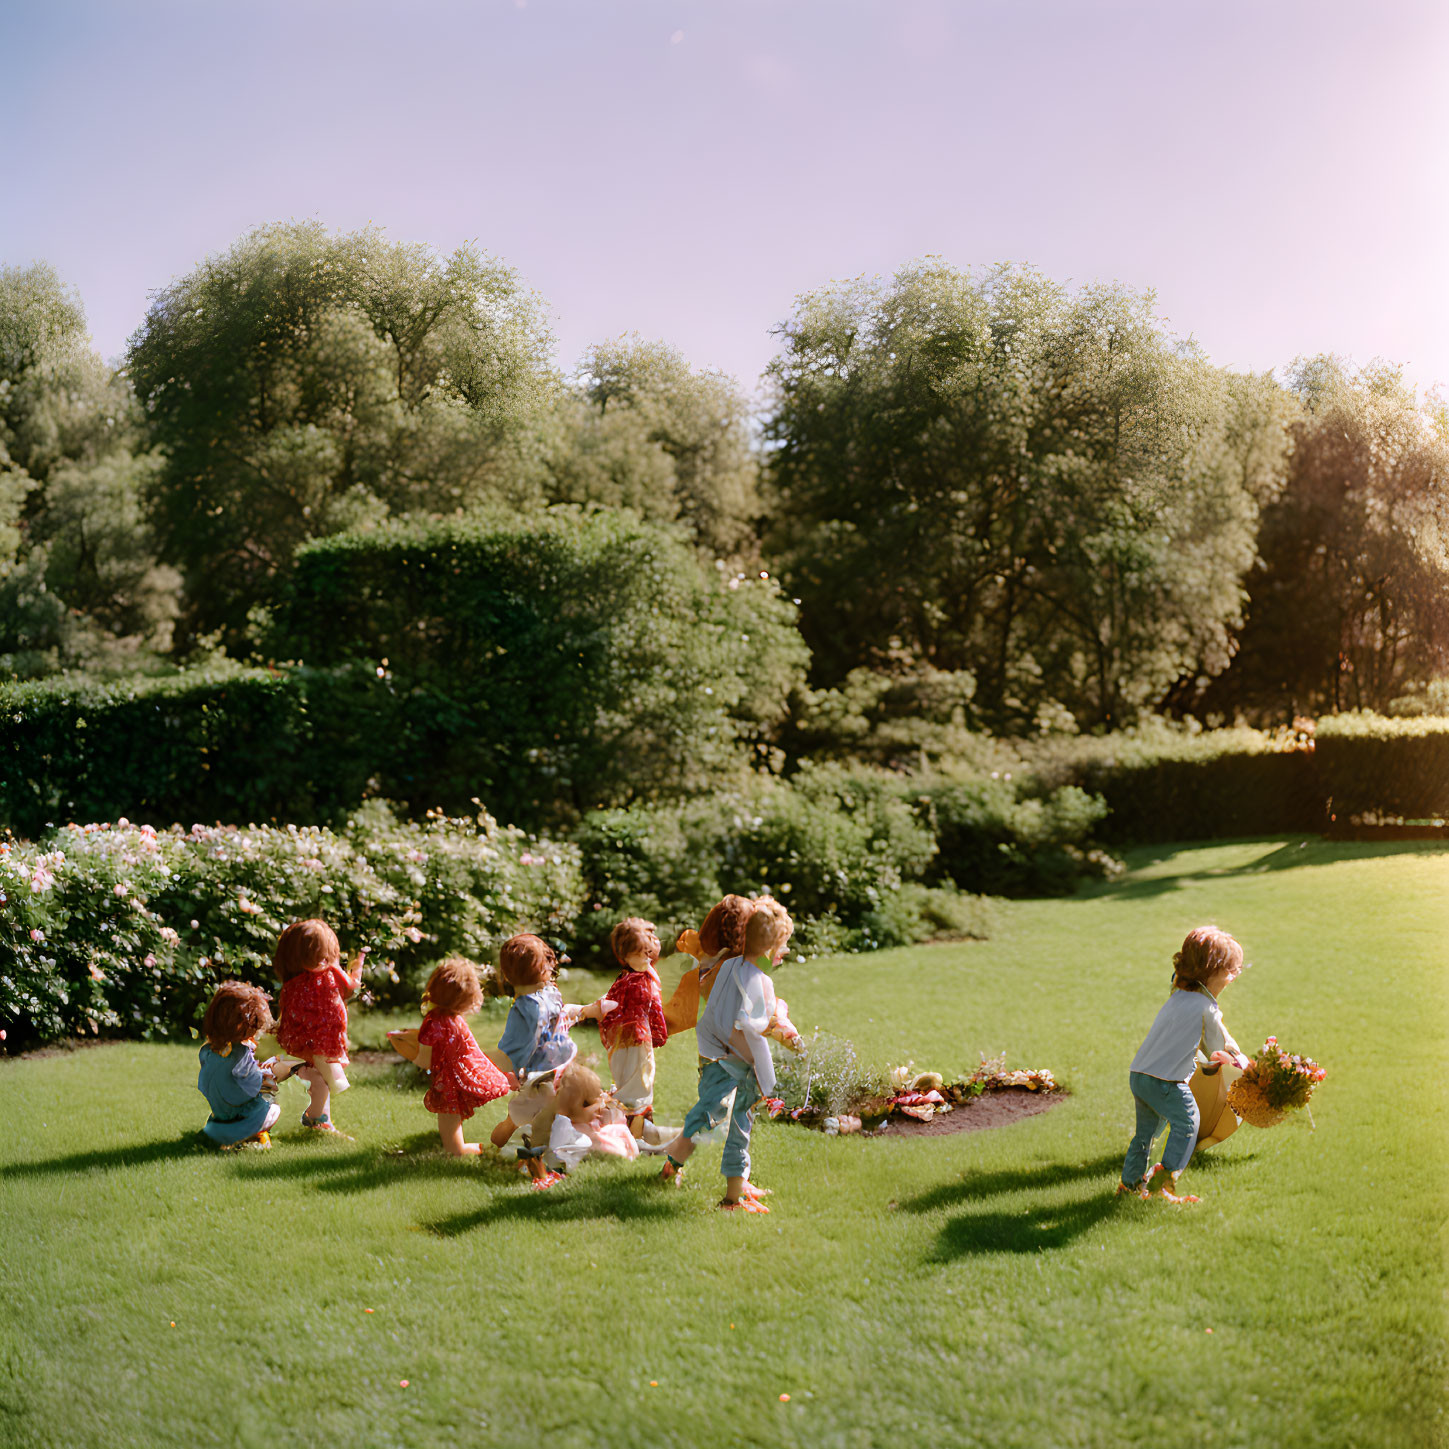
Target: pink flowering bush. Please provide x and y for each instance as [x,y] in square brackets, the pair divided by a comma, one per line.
[124,930]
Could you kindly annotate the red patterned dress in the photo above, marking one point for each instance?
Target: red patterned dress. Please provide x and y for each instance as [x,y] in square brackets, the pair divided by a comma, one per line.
[463,1078]
[313,1010]
[638,1015]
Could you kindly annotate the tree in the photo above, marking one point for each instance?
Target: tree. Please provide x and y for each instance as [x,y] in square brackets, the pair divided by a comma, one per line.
[1350,603]
[642,430]
[992,475]
[79,579]
[302,383]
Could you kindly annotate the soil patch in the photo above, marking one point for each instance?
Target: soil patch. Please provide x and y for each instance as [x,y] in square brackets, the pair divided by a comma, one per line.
[990,1109]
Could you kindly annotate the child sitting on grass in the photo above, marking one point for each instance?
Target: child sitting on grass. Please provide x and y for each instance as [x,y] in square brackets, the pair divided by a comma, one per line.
[463,1078]
[585,1122]
[231,1079]
[1165,1062]
[738,1066]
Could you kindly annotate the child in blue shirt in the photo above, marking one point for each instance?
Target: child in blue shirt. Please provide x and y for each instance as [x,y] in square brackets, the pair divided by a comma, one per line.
[738,1069]
[231,1080]
[535,1047]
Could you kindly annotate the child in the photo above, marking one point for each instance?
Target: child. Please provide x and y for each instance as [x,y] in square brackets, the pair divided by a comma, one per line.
[313,1009]
[230,1080]
[1164,1063]
[636,1026]
[463,1078]
[535,1047]
[731,1036]
[584,1122]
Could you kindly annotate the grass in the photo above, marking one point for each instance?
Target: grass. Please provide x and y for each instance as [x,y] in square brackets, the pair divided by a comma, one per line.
[981,1289]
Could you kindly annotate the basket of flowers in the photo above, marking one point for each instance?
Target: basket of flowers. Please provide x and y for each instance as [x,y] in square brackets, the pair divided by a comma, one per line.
[1273,1085]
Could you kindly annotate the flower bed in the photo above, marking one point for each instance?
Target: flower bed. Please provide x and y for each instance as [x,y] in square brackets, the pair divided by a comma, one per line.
[826,1088]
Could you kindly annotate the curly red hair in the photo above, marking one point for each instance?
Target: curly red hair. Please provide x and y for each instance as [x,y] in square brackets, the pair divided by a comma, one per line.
[526,961]
[1206,952]
[723,929]
[237,1012]
[454,988]
[303,946]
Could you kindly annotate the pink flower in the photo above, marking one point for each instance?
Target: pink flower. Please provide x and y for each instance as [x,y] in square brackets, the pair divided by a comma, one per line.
[149,961]
[120,890]
[413,934]
[37,935]
[169,936]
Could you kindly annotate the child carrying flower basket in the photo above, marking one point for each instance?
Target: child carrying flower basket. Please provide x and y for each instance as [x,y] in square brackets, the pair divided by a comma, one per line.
[1274,1084]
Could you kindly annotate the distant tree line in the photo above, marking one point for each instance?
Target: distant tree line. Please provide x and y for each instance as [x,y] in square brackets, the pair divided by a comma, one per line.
[1034,504]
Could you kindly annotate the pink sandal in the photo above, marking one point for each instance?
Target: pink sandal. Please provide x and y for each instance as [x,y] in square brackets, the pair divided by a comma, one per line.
[742,1205]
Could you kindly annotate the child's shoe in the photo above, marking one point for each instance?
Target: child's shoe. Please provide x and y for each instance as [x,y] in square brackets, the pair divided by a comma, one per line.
[546,1181]
[672,1172]
[1124,1190]
[1161,1181]
[742,1205]
[319,1124]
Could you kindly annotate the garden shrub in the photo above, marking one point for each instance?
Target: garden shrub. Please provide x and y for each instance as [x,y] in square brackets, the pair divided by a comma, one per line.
[553,666]
[1369,765]
[841,848]
[992,838]
[125,929]
[220,743]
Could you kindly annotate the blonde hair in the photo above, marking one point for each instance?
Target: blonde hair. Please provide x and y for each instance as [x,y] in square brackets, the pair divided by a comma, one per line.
[454,988]
[580,1084]
[770,926]
[1206,952]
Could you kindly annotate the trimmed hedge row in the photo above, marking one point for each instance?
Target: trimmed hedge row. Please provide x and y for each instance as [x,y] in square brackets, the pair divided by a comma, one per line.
[222,743]
[1368,765]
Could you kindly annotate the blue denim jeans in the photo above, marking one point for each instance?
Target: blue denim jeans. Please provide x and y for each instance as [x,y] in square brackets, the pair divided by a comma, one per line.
[1160,1102]
[716,1082]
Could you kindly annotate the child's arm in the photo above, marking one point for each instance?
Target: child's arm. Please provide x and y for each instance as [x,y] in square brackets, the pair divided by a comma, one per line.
[1215,1037]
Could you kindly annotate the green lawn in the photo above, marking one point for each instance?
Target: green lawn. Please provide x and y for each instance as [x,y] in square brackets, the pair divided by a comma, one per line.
[981,1289]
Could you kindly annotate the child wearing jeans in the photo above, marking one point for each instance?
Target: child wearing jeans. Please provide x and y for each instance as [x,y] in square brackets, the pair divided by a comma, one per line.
[738,1068]
[1164,1064]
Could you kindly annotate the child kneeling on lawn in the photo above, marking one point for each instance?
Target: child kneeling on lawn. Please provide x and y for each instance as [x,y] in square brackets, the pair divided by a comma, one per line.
[1164,1063]
[737,1068]
[231,1079]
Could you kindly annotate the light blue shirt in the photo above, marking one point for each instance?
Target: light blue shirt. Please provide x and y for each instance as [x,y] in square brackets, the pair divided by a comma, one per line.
[742,999]
[533,1039]
[1188,1020]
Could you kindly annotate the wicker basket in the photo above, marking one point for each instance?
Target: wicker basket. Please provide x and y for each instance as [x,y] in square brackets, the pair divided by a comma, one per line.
[1247,1100]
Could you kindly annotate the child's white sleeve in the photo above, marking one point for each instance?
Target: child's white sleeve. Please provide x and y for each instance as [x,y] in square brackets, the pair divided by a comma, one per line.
[760,1059]
[567,1143]
[1215,1037]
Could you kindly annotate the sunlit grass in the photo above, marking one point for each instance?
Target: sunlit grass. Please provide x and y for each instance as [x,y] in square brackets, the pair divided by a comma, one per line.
[981,1289]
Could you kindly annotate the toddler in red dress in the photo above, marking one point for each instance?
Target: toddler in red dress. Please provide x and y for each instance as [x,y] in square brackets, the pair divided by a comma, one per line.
[632,1030]
[313,1011]
[463,1078]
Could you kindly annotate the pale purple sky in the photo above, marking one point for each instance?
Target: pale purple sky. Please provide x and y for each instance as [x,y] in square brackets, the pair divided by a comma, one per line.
[1277,169]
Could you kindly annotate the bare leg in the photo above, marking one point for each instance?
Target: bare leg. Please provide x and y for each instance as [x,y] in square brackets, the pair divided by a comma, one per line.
[450,1129]
[320,1092]
[500,1134]
[734,1189]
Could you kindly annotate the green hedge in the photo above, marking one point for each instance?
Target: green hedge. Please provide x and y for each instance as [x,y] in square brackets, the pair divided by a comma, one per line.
[222,743]
[550,666]
[125,930]
[1368,765]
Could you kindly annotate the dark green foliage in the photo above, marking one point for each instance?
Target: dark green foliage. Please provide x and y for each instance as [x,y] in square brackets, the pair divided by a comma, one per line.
[215,744]
[993,839]
[1384,767]
[552,667]
[125,931]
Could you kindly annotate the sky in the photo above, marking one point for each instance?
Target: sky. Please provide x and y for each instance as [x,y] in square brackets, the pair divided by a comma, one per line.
[1276,171]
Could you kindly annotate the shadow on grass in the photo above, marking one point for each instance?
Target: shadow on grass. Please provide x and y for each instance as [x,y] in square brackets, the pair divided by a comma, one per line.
[1039,1226]
[1278,855]
[624,1199]
[365,1169]
[189,1144]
